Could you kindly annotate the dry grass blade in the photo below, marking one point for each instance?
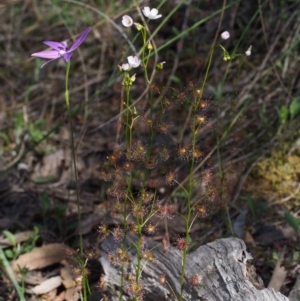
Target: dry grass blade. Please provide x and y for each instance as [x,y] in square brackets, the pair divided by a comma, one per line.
[279,273]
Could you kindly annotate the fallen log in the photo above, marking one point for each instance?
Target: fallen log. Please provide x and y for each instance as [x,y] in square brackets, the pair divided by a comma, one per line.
[218,271]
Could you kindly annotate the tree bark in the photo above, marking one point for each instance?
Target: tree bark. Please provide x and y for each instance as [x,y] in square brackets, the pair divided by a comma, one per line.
[222,267]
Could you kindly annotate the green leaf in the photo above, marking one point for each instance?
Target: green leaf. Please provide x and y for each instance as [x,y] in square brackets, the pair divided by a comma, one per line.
[283,114]
[9,254]
[19,126]
[251,204]
[5,137]
[175,30]
[296,256]
[45,201]
[176,79]
[292,220]
[262,207]
[295,107]
[10,237]
[275,255]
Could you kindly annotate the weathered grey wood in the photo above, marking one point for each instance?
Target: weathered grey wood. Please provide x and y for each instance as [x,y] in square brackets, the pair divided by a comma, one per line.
[295,292]
[223,267]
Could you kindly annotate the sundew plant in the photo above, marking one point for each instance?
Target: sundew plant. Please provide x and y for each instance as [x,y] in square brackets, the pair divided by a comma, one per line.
[143,156]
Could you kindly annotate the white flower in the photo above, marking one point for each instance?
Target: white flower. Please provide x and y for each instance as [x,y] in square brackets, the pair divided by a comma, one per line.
[248,52]
[133,61]
[151,14]
[225,35]
[127,21]
[125,67]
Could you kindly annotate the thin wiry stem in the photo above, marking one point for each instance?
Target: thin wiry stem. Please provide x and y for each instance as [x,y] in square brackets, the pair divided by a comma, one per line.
[188,221]
[67,99]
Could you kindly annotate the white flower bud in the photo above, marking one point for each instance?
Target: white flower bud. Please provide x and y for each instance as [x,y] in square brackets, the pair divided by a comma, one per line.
[225,35]
[248,52]
[127,21]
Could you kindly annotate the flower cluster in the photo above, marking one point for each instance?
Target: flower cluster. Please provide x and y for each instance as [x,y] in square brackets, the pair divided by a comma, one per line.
[133,62]
[60,49]
[151,14]
[224,36]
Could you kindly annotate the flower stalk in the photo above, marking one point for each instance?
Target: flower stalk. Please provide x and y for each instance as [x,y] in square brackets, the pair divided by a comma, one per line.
[67,99]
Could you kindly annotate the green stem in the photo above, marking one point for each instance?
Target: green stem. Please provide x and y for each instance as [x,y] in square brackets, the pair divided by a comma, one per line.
[138,252]
[191,181]
[144,60]
[128,133]
[128,122]
[67,99]
[221,176]
[122,283]
[229,221]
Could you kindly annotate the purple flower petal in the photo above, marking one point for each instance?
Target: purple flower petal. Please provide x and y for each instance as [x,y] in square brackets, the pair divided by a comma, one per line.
[80,40]
[67,56]
[56,45]
[47,54]
[60,49]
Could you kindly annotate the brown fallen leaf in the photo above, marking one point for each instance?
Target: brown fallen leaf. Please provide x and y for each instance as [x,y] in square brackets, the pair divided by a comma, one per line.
[72,294]
[67,277]
[41,257]
[19,237]
[49,296]
[279,273]
[55,167]
[60,297]
[248,238]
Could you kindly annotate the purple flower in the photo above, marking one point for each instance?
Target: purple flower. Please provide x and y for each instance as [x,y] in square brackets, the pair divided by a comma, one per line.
[60,49]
